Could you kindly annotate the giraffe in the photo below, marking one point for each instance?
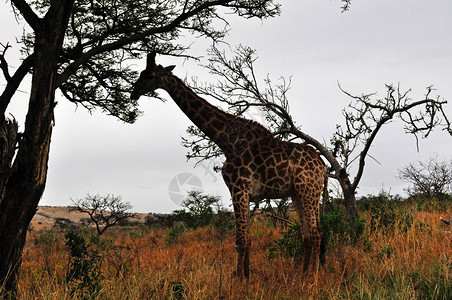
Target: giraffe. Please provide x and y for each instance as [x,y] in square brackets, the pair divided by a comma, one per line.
[257,165]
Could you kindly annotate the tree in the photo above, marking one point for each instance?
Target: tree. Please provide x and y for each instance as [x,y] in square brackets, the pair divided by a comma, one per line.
[432,178]
[104,211]
[348,149]
[85,48]
[199,205]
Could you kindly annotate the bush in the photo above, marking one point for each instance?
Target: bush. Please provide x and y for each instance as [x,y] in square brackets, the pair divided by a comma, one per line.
[64,223]
[290,244]
[223,221]
[386,212]
[84,274]
[45,242]
[174,233]
[162,220]
[334,227]
[443,203]
[200,212]
[336,223]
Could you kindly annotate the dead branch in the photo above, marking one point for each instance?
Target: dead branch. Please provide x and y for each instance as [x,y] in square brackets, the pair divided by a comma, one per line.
[447,221]
[280,219]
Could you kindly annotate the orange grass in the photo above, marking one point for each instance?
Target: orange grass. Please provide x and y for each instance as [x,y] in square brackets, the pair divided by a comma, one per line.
[199,264]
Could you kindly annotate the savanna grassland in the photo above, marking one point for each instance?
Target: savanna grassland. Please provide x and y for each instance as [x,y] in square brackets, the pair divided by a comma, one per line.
[395,251]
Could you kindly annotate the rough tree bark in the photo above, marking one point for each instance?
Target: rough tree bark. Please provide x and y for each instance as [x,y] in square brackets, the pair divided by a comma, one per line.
[23,182]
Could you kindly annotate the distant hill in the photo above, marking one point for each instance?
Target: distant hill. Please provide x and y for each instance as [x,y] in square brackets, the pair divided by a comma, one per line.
[46,215]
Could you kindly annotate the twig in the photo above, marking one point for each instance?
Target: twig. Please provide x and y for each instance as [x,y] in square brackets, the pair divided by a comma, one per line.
[281,219]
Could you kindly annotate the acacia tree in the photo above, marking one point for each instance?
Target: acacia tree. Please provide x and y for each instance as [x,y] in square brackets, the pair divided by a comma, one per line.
[347,151]
[104,211]
[200,212]
[85,48]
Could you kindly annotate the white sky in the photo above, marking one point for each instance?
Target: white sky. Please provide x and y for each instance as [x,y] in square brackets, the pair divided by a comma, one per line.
[377,42]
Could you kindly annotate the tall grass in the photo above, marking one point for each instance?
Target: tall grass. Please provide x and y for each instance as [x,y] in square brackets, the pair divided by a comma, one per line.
[413,262]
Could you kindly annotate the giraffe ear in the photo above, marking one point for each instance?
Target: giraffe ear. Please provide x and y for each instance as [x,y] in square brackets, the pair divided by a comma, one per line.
[169,68]
[150,62]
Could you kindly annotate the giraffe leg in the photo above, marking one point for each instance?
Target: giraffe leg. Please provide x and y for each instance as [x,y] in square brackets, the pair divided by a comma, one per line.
[315,244]
[240,202]
[307,211]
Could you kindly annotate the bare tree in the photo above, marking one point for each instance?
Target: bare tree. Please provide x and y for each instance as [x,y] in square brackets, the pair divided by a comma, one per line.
[432,178]
[104,211]
[239,88]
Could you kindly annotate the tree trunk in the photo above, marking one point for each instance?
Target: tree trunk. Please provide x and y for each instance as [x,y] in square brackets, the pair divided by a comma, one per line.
[8,142]
[350,203]
[349,194]
[25,181]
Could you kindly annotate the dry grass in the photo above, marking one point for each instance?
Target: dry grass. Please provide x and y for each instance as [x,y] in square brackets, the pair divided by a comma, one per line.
[199,264]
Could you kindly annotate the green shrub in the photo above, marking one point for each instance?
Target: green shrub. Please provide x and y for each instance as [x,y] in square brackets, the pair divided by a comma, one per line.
[45,241]
[223,222]
[174,233]
[290,244]
[386,212]
[200,212]
[84,274]
[336,224]
[334,227]
[443,203]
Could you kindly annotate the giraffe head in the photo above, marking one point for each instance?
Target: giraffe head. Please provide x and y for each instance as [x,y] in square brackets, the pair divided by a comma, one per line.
[151,78]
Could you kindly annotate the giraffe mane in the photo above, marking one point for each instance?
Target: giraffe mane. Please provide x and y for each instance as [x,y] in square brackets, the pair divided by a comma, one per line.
[255,123]
[218,109]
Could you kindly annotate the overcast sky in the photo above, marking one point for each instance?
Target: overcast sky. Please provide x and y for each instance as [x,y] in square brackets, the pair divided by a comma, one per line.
[377,42]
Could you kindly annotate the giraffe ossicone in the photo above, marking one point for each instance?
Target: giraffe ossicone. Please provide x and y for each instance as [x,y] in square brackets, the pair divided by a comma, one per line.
[257,164]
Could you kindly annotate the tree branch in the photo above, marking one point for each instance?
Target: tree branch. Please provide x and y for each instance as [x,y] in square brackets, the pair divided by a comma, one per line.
[140,36]
[4,63]
[13,83]
[29,15]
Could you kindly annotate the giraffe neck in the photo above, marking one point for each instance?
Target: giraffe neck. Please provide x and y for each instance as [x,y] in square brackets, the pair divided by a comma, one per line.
[222,128]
